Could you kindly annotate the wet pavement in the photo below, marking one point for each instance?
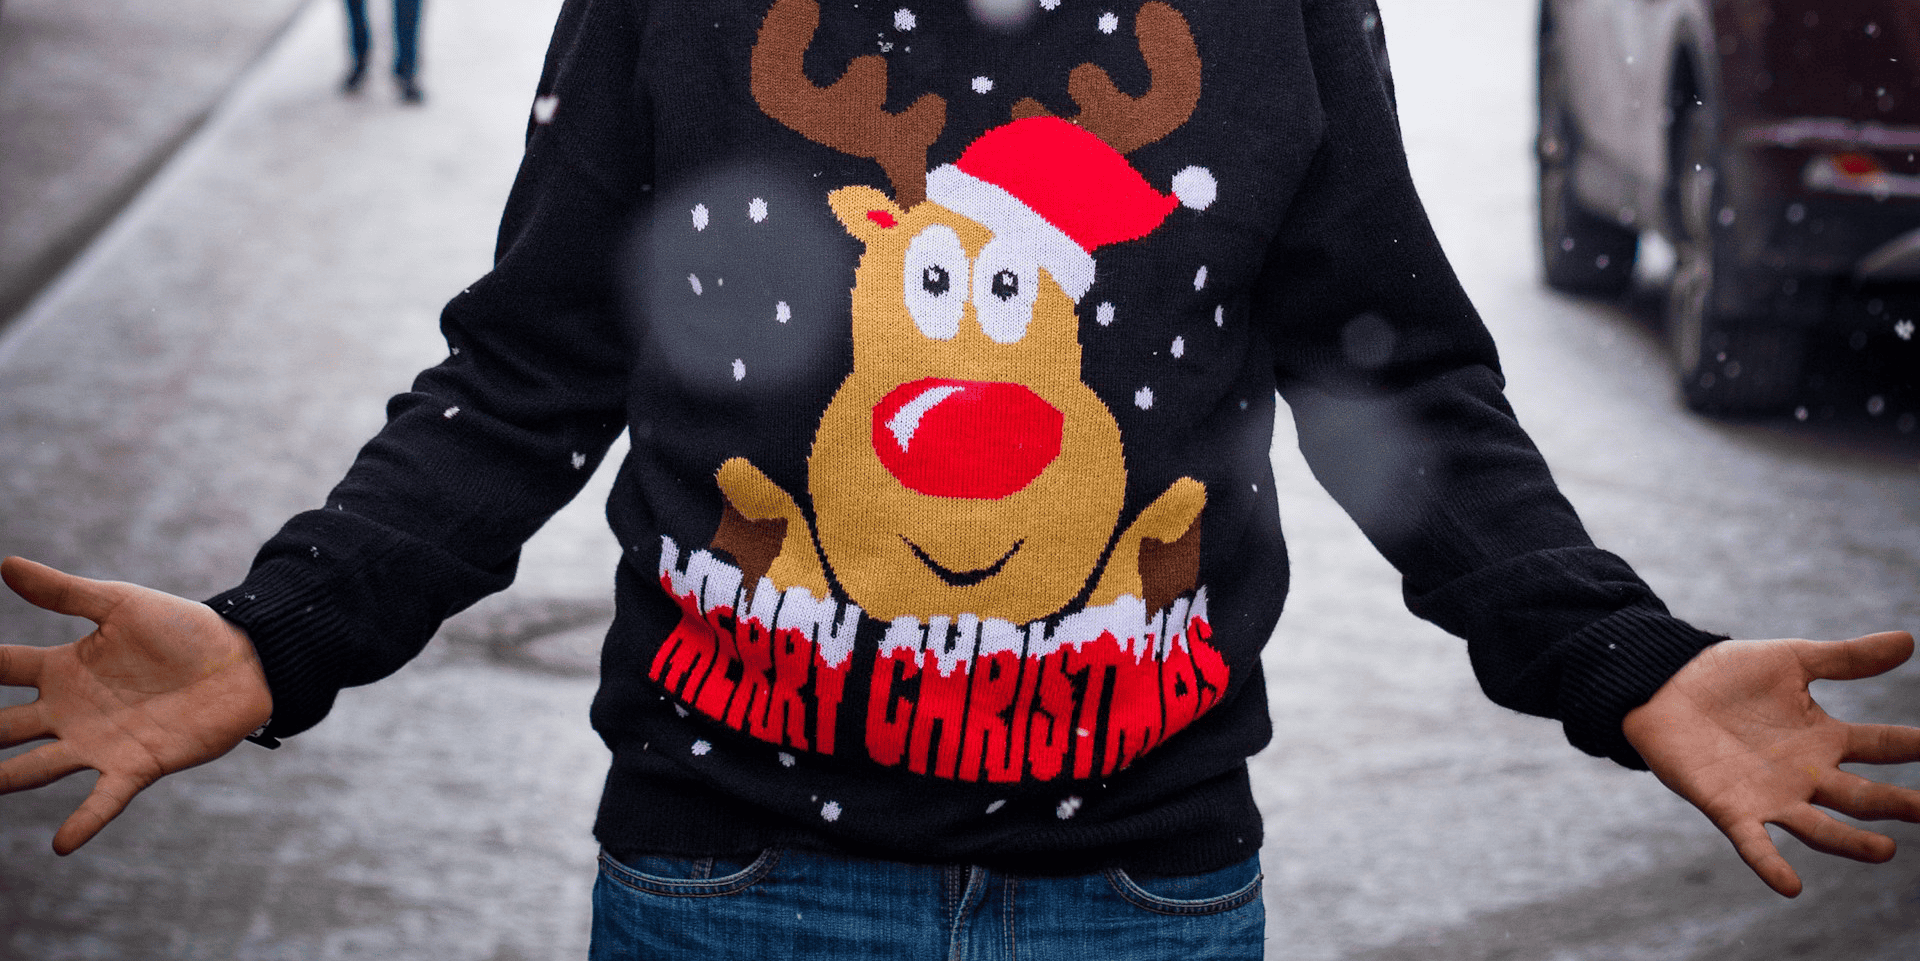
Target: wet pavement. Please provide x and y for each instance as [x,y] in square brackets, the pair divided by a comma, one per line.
[214,358]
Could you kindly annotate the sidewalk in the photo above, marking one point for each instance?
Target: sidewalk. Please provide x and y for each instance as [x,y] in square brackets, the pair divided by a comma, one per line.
[204,370]
[94,97]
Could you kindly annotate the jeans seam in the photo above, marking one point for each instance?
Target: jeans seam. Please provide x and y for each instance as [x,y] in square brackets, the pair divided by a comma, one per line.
[1131,892]
[734,883]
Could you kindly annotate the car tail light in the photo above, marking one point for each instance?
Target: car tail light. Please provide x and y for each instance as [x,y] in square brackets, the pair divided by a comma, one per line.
[1858,174]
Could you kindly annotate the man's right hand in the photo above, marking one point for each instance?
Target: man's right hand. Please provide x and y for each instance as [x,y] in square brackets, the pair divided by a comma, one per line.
[162,684]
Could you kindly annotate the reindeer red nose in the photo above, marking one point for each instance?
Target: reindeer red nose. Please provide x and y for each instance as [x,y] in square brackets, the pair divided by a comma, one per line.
[965,438]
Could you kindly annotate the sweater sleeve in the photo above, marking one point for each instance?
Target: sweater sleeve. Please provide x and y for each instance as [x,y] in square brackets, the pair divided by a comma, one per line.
[1396,392]
[487,445]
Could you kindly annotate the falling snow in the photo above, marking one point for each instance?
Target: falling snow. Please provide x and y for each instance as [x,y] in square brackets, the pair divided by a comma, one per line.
[983,85]
[1049,4]
[680,709]
[739,369]
[700,216]
[451,412]
[1220,316]
[1068,807]
[1109,22]
[830,811]
[1103,315]
[757,210]
[544,107]
[1904,329]
[781,312]
[903,19]
[786,760]
[997,805]
[702,749]
[1179,347]
[1200,277]
[693,280]
[1143,399]
[579,460]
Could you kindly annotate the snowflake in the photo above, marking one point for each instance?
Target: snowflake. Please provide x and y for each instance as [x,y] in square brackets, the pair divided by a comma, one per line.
[700,216]
[579,460]
[1109,22]
[680,709]
[739,369]
[830,811]
[693,280]
[1068,807]
[997,805]
[451,412]
[1143,399]
[702,749]
[903,19]
[781,312]
[544,107]
[1179,346]
[1220,316]
[1049,4]
[1904,329]
[757,209]
[1104,314]
[1200,277]
[786,760]
[983,85]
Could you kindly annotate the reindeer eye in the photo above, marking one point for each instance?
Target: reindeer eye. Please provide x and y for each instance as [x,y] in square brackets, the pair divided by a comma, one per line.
[1006,282]
[935,281]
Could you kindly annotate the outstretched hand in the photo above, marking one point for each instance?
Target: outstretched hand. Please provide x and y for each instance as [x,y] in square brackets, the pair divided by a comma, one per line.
[1737,733]
[161,684]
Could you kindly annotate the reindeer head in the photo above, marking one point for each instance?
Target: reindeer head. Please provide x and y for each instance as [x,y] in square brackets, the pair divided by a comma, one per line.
[964,467]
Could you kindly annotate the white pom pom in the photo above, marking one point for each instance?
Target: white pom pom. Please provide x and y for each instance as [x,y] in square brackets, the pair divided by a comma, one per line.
[1195,187]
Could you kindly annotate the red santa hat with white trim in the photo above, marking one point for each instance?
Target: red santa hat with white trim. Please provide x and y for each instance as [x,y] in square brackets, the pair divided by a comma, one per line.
[1063,189]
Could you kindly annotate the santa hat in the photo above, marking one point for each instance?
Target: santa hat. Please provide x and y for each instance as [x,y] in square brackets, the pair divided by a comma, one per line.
[1063,189]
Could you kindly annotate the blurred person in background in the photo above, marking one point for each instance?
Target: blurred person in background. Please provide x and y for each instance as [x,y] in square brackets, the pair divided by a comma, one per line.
[406,48]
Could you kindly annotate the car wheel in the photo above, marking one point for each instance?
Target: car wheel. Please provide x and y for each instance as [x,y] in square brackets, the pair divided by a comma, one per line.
[1581,253]
[1728,363]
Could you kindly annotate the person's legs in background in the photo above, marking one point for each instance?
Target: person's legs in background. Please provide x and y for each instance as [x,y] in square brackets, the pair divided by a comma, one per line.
[359,40]
[406,48]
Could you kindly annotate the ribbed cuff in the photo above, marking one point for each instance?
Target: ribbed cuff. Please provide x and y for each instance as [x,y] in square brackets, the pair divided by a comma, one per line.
[1616,665]
[282,606]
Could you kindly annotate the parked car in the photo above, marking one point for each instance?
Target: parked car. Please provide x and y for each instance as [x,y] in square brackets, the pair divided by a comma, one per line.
[1772,143]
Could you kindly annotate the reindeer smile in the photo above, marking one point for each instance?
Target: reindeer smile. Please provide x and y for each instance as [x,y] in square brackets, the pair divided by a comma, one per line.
[963,578]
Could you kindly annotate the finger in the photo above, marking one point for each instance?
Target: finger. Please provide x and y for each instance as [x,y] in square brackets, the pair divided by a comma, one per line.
[20,665]
[1881,744]
[22,723]
[37,768]
[1859,797]
[1823,833]
[1757,849]
[57,590]
[110,796]
[1857,658]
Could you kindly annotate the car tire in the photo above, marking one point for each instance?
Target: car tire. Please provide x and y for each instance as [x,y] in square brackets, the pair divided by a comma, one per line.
[1580,252]
[1728,363]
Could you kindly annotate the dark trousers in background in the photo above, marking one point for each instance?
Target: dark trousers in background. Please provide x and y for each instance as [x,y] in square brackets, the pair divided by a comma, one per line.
[406,33]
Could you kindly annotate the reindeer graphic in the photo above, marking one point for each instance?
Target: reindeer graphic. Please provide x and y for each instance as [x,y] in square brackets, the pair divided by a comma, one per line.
[966,484]
[963,467]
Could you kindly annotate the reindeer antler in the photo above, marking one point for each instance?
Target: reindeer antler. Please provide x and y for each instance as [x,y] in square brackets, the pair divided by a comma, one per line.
[1128,123]
[850,114]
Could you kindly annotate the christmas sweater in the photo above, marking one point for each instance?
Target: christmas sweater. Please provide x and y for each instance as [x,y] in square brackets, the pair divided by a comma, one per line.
[948,340]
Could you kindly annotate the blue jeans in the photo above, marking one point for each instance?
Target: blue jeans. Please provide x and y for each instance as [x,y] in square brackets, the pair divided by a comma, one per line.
[406,34]
[800,905]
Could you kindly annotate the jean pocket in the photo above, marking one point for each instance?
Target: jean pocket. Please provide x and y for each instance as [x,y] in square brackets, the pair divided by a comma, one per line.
[1214,892]
[688,877]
